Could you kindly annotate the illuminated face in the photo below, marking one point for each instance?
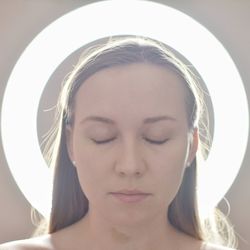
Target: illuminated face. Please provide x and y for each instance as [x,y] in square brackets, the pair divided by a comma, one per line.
[130,141]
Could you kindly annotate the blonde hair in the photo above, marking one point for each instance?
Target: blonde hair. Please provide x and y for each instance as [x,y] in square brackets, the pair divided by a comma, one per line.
[69,201]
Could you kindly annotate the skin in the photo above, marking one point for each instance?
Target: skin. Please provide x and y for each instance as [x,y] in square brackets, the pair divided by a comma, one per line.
[127,95]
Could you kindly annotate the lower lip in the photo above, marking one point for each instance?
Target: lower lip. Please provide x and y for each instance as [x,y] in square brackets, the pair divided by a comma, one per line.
[130,198]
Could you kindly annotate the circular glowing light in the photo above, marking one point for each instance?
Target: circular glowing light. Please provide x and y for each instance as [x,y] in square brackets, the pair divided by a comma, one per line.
[144,18]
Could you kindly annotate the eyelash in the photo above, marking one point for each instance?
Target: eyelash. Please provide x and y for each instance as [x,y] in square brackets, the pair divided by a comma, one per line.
[148,140]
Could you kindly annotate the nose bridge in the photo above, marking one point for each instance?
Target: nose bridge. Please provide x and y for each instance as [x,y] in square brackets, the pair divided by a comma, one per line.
[130,159]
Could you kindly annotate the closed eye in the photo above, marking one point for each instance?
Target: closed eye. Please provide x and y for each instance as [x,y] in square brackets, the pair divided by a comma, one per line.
[148,140]
[156,142]
[103,142]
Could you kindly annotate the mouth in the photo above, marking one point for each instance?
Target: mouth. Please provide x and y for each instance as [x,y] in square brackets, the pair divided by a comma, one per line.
[130,196]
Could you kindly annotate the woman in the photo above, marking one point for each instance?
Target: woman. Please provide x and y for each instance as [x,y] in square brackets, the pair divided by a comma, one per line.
[124,150]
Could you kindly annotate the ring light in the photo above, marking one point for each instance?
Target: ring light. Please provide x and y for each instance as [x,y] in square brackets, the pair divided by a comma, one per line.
[144,18]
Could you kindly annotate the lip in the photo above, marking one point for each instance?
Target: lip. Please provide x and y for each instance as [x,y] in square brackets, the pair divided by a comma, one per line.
[130,196]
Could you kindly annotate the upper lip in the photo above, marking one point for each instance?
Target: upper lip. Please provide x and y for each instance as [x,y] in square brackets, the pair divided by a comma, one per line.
[130,192]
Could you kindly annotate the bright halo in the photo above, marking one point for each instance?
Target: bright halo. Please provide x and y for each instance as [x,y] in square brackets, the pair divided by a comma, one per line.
[144,18]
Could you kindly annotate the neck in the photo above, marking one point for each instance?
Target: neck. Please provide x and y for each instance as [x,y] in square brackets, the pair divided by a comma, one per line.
[101,233]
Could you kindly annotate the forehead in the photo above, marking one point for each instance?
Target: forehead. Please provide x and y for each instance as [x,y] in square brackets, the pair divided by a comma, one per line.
[132,92]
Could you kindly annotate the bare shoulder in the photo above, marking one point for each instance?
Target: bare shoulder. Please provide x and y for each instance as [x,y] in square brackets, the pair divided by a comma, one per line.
[38,243]
[210,246]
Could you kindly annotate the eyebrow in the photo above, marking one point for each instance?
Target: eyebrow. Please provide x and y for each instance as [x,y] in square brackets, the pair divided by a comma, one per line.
[148,120]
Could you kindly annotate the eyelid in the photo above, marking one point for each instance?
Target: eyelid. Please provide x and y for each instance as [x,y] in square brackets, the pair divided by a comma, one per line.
[103,141]
[156,142]
[148,140]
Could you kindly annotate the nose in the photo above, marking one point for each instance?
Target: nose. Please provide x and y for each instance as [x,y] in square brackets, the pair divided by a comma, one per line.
[130,162]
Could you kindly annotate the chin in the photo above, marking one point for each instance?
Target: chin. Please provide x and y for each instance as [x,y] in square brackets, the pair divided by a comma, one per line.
[131,217]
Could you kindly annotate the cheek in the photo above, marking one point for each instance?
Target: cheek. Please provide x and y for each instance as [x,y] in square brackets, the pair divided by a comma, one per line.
[92,169]
[170,172]
[169,169]
[165,165]
[172,157]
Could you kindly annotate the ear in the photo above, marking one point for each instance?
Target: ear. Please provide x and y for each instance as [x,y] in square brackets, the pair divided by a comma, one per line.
[194,142]
[69,142]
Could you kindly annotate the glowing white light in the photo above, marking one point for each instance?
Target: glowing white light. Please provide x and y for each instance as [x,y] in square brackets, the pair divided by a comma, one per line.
[110,18]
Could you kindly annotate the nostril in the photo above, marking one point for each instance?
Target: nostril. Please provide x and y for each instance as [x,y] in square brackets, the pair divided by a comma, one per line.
[122,174]
[138,173]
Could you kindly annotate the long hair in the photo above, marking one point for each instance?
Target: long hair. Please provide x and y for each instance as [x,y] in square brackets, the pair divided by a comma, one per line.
[69,202]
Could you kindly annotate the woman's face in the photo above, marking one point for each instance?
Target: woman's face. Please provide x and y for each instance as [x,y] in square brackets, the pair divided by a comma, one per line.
[130,141]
